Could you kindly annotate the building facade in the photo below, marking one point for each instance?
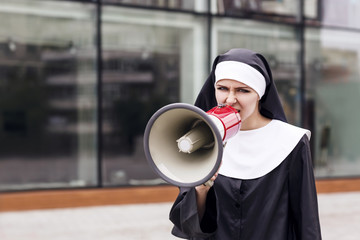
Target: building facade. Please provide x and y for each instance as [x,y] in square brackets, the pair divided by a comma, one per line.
[80,79]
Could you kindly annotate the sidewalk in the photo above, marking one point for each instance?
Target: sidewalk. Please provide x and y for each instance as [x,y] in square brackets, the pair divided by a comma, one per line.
[339,216]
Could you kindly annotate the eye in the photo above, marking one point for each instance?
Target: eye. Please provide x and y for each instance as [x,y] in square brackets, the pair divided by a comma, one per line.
[243,90]
[221,88]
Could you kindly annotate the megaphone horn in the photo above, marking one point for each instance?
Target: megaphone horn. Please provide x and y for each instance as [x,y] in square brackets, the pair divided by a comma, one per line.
[184,145]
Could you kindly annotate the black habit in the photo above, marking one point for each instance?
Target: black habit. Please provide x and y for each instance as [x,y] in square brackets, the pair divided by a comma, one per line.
[278,205]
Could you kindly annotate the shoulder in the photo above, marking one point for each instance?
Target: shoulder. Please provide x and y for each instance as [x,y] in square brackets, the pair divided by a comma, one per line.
[290,131]
[302,149]
[289,139]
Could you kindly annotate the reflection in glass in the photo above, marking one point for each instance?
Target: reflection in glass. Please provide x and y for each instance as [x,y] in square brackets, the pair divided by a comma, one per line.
[333,75]
[47,95]
[271,8]
[146,65]
[166,4]
[311,8]
[244,7]
[341,13]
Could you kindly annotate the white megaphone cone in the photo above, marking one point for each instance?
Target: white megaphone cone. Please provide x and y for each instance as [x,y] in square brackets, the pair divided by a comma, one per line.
[184,144]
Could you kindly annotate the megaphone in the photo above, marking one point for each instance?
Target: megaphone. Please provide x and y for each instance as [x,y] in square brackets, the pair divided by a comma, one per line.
[184,144]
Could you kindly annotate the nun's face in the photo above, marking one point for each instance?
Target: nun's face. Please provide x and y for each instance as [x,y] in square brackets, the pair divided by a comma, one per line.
[238,95]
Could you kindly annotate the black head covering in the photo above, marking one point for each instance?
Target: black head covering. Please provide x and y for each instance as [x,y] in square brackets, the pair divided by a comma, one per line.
[270,105]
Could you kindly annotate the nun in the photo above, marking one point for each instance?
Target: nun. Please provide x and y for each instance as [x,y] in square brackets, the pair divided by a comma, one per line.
[265,186]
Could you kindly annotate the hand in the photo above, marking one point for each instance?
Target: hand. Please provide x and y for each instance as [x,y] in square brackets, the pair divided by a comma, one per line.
[210,182]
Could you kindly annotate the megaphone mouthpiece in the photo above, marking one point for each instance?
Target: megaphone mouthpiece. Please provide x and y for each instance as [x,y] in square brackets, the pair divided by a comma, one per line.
[199,136]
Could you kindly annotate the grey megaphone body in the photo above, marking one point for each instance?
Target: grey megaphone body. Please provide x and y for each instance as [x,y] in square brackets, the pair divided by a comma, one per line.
[184,145]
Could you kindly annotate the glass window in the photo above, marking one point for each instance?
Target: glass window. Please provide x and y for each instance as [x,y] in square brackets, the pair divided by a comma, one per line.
[343,13]
[311,8]
[252,8]
[277,43]
[241,7]
[187,5]
[150,59]
[47,94]
[333,79]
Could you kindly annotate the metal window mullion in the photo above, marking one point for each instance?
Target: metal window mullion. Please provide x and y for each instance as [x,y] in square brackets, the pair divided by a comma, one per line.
[99,93]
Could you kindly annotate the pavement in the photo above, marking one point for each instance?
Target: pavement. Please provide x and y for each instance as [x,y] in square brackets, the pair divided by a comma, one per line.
[339,217]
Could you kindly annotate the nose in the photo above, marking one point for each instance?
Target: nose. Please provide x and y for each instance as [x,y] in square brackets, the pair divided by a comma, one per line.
[231,99]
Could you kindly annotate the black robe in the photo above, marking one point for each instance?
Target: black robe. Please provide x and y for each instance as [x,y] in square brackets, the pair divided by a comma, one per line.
[281,205]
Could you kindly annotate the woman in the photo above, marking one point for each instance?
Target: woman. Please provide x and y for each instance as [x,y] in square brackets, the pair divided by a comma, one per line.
[265,187]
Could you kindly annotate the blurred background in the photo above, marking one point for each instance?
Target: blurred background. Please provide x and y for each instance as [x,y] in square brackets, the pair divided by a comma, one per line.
[79,79]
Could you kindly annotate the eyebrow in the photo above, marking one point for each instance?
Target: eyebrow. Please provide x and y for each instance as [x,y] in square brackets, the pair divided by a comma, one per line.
[244,87]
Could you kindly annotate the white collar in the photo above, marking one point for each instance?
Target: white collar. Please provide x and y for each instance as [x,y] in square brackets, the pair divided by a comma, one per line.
[254,153]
